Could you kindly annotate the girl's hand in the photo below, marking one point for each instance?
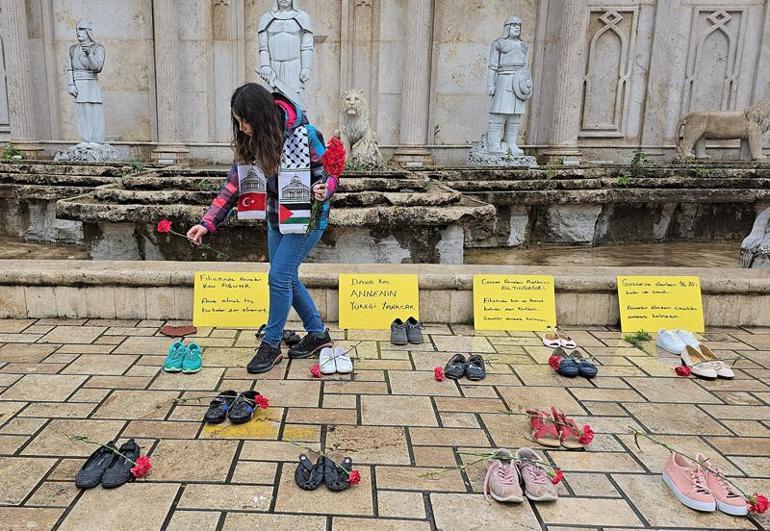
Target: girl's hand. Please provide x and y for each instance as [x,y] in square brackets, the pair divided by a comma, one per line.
[196,234]
[319,191]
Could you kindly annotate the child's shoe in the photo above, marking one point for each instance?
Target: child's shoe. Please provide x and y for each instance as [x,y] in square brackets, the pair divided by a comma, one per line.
[326,361]
[569,432]
[544,431]
[175,357]
[537,485]
[193,361]
[502,479]
[342,361]
[688,483]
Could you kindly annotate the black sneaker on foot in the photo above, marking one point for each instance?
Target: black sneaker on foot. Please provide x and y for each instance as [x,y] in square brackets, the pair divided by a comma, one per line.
[267,355]
[310,344]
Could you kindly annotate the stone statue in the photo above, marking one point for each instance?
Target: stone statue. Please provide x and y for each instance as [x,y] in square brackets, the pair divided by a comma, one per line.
[509,83]
[755,249]
[357,136]
[86,60]
[286,49]
[748,125]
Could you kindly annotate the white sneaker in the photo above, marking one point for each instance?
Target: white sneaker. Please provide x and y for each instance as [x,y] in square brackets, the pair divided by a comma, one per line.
[699,366]
[688,338]
[723,370]
[343,363]
[326,361]
[669,341]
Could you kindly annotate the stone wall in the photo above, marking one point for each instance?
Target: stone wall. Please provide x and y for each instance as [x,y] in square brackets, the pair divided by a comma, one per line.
[610,75]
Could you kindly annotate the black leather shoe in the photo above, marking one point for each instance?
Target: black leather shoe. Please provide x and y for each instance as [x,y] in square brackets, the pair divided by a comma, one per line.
[455,367]
[475,369]
[119,471]
[266,357]
[91,474]
[218,407]
[310,344]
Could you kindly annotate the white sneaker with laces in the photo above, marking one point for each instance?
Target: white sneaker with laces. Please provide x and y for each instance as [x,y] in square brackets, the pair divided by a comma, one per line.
[342,361]
[688,338]
[326,361]
[669,341]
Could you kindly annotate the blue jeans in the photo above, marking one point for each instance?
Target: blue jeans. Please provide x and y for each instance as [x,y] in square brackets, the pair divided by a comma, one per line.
[286,253]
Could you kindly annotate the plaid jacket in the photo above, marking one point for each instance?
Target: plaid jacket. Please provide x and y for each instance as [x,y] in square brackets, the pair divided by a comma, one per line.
[227,198]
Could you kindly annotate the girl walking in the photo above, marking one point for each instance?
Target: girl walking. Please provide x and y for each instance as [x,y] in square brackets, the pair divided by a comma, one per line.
[262,123]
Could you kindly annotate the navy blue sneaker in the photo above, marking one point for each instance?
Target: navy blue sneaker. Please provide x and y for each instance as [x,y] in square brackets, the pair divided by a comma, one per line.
[569,366]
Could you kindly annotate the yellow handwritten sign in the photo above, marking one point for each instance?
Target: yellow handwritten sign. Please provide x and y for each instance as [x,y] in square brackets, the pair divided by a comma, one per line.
[234,300]
[513,302]
[655,303]
[373,301]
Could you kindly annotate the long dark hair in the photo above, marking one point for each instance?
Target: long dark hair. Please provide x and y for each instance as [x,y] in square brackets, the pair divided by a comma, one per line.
[256,106]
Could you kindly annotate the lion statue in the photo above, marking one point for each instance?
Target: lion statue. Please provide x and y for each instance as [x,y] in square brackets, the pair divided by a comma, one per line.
[358,138]
[748,126]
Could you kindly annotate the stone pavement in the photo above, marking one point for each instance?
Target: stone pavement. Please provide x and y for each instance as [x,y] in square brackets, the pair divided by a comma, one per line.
[102,379]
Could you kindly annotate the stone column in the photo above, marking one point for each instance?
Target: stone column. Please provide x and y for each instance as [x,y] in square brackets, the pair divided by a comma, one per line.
[170,148]
[21,107]
[415,92]
[569,84]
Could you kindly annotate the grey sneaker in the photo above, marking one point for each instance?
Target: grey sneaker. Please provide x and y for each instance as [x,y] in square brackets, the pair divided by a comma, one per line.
[398,333]
[413,331]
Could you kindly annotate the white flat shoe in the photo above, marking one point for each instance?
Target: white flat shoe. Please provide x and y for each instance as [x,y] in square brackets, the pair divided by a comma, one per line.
[697,364]
[342,361]
[723,370]
[564,340]
[326,361]
[551,339]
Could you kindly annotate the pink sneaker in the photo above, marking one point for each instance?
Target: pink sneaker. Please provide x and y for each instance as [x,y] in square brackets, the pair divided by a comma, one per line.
[537,484]
[729,500]
[502,479]
[688,483]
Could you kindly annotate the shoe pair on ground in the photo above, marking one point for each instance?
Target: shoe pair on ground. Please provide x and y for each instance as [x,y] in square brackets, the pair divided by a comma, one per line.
[333,360]
[238,407]
[289,337]
[336,477]
[472,368]
[267,356]
[402,332]
[555,429]
[107,468]
[555,338]
[699,358]
[702,489]
[510,478]
[572,364]
[183,358]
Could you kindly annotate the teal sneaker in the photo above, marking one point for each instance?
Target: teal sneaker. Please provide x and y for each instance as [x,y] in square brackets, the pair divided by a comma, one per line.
[175,357]
[193,361]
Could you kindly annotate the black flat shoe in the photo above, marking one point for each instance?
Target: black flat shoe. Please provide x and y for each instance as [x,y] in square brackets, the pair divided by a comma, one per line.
[307,475]
[90,475]
[243,407]
[336,476]
[218,408]
[475,369]
[455,367]
[119,471]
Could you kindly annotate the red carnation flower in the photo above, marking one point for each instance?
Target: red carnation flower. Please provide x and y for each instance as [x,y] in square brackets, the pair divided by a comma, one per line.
[586,436]
[757,503]
[262,401]
[557,476]
[682,370]
[354,477]
[142,468]
[438,374]
[333,158]
[315,370]
[554,361]
[164,226]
